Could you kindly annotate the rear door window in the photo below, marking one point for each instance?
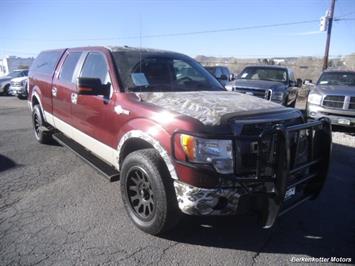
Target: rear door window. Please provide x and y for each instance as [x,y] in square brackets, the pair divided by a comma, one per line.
[67,72]
[46,62]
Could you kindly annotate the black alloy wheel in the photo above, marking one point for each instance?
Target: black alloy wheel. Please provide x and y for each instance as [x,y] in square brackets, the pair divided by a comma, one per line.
[140,193]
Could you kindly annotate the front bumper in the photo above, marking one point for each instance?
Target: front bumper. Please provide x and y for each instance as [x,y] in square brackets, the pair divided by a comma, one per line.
[203,201]
[336,116]
[277,186]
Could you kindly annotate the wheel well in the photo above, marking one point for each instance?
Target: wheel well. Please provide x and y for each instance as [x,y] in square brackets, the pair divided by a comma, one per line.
[35,101]
[132,145]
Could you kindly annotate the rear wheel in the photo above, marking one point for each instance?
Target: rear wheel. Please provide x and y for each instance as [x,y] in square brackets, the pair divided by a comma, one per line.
[148,193]
[41,132]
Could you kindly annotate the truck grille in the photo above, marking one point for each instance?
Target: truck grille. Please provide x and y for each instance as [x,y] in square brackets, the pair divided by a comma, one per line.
[246,153]
[257,93]
[334,101]
[352,103]
[15,84]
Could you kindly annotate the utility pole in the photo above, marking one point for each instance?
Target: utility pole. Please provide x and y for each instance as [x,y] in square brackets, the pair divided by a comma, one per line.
[329,32]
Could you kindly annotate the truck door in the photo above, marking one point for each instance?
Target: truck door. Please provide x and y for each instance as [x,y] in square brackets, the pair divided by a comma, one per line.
[62,91]
[93,115]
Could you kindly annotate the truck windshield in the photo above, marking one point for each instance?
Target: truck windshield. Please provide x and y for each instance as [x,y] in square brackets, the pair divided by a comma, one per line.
[264,73]
[337,78]
[141,71]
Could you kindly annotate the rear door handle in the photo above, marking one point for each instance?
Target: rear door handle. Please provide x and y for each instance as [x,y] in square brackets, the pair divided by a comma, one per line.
[54,91]
[74,98]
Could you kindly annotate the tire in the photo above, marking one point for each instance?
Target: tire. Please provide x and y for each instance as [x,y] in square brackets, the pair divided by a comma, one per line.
[148,193]
[42,136]
[21,97]
[6,90]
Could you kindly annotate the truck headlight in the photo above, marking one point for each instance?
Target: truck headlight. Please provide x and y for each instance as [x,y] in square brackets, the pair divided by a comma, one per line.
[314,98]
[229,87]
[212,151]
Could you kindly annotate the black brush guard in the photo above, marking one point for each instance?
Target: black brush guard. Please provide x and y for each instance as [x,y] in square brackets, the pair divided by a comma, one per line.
[277,171]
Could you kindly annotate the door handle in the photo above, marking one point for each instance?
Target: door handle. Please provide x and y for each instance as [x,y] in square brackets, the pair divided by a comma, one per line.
[54,91]
[74,98]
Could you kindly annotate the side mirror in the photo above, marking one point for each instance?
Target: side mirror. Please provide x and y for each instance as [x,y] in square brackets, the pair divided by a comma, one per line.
[223,77]
[231,77]
[90,86]
[299,83]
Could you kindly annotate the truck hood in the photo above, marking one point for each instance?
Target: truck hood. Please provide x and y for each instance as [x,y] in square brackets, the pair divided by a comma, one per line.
[258,84]
[336,90]
[208,107]
[19,79]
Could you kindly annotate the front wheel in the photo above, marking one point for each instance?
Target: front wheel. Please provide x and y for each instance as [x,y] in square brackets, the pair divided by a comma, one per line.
[41,133]
[148,193]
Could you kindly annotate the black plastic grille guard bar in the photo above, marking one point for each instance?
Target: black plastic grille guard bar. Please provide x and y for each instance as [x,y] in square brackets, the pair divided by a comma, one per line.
[283,170]
[283,134]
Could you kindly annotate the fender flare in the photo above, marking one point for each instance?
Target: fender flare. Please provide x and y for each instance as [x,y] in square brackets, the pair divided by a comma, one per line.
[151,140]
[36,95]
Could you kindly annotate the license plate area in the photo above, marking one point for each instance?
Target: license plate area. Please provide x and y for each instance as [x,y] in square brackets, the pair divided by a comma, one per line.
[343,121]
[290,193]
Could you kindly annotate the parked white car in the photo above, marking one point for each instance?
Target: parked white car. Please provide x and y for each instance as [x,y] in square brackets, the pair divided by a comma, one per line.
[18,87]
[5,81]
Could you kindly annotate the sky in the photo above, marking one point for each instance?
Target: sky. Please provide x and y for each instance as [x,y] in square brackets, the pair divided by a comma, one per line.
[193,27]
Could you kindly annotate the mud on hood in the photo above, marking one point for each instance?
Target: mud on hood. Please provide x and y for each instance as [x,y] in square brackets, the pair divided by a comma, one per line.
[208,106]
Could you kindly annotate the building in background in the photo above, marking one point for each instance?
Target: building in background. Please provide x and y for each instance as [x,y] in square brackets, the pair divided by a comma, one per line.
[10,63]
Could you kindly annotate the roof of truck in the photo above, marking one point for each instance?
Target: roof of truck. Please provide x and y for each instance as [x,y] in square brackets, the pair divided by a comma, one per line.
[268,66]
[338,71]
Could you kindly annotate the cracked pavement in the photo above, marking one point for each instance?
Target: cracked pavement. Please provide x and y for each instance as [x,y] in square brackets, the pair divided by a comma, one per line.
[57,210]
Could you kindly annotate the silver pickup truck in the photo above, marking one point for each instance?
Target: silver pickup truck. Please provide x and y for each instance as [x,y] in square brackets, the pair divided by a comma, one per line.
[334,97]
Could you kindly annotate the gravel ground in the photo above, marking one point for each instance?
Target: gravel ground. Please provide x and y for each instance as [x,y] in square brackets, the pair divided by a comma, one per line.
[56,210]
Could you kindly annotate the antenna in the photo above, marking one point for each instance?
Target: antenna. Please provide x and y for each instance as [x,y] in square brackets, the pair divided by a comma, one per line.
[140,43]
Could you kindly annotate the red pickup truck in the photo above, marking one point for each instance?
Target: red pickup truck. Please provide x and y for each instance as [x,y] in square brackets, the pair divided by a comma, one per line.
[176,139]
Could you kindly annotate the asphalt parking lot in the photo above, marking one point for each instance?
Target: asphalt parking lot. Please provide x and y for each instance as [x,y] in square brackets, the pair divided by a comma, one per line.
[57,210]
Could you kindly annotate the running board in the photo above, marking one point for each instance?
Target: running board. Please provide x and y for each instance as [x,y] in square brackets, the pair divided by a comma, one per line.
[108,171]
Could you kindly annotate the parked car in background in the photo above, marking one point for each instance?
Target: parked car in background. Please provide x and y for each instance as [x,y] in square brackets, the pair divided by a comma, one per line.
[18,87]
[221,73]
[273,83]
[5,81]
[334,97]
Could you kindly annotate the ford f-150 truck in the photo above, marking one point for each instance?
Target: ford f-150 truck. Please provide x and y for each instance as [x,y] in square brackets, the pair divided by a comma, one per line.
[179,143]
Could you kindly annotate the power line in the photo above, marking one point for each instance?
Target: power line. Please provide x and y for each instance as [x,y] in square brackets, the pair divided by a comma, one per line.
[162,35]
